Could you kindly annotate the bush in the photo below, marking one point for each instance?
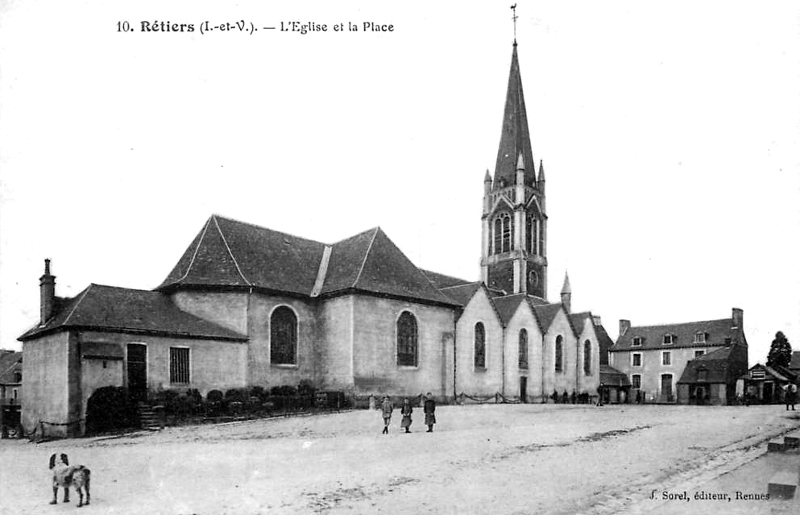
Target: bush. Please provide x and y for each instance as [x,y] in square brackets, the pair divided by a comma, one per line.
[214,404]
[110,409]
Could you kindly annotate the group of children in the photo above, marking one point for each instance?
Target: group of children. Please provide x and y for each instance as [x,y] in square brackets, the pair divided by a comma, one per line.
[429,407]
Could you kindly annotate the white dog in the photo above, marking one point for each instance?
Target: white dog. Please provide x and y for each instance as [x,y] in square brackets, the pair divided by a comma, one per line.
[65,476]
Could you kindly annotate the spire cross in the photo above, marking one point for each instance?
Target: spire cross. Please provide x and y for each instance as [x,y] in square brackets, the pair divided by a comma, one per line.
[514,17]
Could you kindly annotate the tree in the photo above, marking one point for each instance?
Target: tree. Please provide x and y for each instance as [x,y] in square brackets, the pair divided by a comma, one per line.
[780,352]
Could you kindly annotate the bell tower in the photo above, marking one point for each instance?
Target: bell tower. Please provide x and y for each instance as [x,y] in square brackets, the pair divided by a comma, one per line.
[514,250]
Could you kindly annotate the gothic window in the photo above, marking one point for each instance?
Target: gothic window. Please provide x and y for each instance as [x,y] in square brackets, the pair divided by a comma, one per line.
[529,236]
[540,234]
[508,229]
[498,236]
[283,337]
[480,346]
[407,340]
[587,357]
[559,366]
[523,349]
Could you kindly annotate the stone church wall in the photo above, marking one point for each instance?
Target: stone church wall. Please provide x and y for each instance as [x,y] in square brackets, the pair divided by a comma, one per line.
[375,367]
[335,363]
[227,309]
[469,379]
[524,319]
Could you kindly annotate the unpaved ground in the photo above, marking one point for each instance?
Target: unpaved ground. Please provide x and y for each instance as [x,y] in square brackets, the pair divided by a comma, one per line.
[481,459]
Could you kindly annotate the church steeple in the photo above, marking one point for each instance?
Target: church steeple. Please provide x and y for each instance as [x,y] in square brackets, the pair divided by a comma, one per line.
[514,219]
[515,138]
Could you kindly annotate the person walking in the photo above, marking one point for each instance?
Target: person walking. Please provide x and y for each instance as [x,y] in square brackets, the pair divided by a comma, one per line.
[386,411]
[791,395]
[429,408]
[600,395]
[406,412]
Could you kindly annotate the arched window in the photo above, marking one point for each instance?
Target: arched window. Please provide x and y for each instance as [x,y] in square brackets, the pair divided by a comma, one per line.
[283,337]
[498,236]
[508,229]
[587,357]
[529,236]
[559,365]
[480,346]
[523,349]
[407,340]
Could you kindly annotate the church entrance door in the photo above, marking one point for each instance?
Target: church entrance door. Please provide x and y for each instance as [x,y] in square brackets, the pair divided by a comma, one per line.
[523,389]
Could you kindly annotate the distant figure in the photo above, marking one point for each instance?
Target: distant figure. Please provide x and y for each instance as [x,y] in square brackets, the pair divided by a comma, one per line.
[574,397]
[638,397]
[565,398]
[600,394]
[386,411]
[406,412]
[554,397]
[791,395]
[429,408]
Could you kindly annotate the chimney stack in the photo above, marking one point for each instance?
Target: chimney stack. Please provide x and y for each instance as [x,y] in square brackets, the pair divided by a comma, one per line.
[596,319]
[47,289]
[624,325]
[737,317]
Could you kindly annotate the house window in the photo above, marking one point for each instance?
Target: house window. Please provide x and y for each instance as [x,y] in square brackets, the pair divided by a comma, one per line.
[407,340]
[179,365]
[480,346]
[669,339]
[636,381]
[636,359]
[637,341]
[523,349]
[702,375]
[587,357]
[283,337]
[699,337]
[16,393]
[559,365]
[699,353]
[17,377]
[666,358]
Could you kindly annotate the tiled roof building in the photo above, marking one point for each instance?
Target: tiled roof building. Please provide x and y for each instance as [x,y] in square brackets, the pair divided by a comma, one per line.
[250,306]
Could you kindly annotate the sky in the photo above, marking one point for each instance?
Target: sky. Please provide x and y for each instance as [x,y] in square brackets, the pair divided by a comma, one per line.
[669,132]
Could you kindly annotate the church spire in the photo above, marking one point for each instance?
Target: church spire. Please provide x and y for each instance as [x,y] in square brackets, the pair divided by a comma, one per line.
[515,137]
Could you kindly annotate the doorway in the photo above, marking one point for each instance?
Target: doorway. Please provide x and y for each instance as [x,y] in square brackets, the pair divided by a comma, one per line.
[137,372]
[523,389]
[666,387]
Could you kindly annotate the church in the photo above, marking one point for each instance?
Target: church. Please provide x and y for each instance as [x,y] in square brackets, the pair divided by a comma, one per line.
[249,306]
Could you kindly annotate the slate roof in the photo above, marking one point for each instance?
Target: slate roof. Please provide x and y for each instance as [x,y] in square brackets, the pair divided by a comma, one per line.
[778,373]
[604,341]
[10,362]
[442,281]
[507,306]
[610,376]
[113,309]
[717,331]
[720,365]
[546,313]
[461,294]
[578,319]
[232,254]
[515,137]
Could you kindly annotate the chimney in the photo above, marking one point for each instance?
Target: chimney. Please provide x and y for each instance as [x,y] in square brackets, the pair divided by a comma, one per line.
[596,320]
[737,317]
[624,325]
[47,289]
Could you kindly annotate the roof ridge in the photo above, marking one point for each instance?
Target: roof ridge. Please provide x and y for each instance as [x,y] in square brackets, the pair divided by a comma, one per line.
[77,303]
[283,233]
[230,252]
[682,323]
[458,285]
[366,255]
[355,235]
[196,250]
